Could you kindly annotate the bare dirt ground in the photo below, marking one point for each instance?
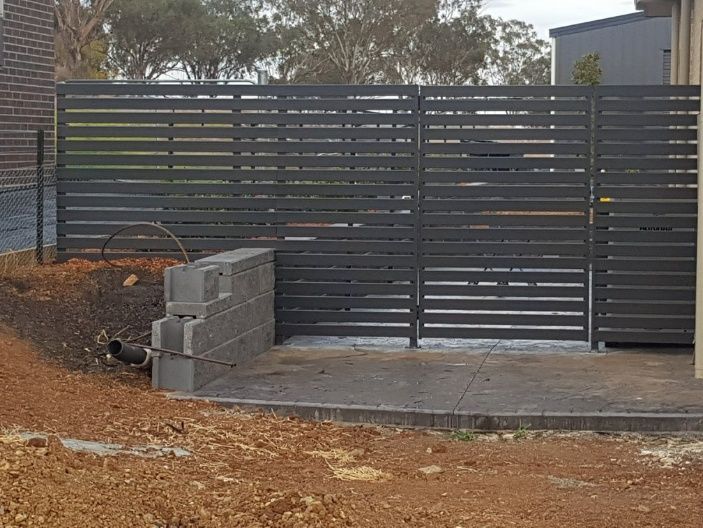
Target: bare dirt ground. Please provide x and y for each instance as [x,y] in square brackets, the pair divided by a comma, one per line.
[253,471]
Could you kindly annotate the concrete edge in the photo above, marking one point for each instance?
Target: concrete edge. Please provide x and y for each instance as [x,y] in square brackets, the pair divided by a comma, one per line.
[443,419]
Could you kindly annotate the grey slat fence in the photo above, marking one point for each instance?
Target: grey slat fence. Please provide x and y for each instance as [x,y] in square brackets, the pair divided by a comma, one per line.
[504,197]
[403,211]
[326,175]
[645,214]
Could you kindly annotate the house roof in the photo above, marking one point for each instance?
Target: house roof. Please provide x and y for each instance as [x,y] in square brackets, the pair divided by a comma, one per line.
[654,8]
[598,24]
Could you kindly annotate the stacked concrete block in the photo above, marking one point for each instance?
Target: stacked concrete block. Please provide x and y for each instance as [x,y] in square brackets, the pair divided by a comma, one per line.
[220,307]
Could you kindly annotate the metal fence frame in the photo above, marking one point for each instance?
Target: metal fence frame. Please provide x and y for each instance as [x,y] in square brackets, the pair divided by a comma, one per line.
[342,181]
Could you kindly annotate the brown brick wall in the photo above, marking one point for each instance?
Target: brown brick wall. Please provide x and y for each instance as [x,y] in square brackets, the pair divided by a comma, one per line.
[27,90]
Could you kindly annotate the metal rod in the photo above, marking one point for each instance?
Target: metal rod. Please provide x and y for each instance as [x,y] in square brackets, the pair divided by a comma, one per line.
[39,247]
[182,354]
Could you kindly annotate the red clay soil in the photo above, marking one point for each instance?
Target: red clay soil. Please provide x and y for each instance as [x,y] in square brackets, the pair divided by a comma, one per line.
[262,471]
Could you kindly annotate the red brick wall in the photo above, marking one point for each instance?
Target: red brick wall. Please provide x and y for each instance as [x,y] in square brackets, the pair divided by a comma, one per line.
[27,90]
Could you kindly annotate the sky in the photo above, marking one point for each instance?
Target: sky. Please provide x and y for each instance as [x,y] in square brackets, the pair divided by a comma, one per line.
[545,14]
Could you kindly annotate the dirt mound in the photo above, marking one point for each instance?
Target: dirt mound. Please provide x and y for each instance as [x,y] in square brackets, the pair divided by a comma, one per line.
[69,310]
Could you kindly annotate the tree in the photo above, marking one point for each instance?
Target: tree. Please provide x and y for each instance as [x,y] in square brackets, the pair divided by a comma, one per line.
[448,48]
[80,46]
[147,38]
[516,56]
[226,41]
[341,41]
[587,70]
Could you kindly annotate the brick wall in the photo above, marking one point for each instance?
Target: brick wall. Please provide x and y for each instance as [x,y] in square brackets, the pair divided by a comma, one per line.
[27,88]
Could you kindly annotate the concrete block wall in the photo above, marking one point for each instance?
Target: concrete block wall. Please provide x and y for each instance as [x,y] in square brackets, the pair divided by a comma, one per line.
[220,307]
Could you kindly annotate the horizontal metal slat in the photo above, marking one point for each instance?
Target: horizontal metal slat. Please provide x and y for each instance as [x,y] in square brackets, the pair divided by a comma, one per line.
[336,329]
[540,321]
[644,279]
[504,305]
[498,262]
[215,245]
[484,221]
[553,177]
[505,291]
[234,189]
[185,160]
[229,118]
[509,120]
[211,88]
[504,235]
[341,316]
[504,333]
[513,276]
[213,146]
[511,134]
[242,174]
[642,294]
[503,163]
[345,302]
[505,191]
[331,288]
[511,149]
[505,91]
[236,132]
[504,249]
[340,274]
[253,203]
[653,336]
[234,104]
[343,259]
[505,105]
[629,308]
[649,323]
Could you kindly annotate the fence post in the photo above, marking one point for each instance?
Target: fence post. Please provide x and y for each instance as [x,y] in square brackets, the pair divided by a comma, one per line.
[39,249]
[591,218]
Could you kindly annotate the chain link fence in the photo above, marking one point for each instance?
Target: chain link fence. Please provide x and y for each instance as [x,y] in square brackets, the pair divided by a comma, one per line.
[27,213]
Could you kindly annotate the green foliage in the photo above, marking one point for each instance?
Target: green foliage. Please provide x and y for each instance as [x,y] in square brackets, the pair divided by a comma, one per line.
[521,432]
[587,70]
[517,55]
[302,41]
[463,436]
[146,38]
[226,41]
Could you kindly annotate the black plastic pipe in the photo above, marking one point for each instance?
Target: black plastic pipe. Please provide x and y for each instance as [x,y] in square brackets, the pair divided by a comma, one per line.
[126,353]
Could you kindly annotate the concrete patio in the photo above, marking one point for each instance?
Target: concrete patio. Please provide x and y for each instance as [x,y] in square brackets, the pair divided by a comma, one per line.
[482,385]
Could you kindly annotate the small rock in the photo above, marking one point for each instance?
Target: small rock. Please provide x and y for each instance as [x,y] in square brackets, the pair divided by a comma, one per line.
[644,509]
[37,442]
[130,281]
[20,517]
[431,470]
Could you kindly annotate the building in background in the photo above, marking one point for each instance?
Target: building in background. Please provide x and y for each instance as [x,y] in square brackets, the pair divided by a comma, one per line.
[686,18]
[27,90]
[634,49]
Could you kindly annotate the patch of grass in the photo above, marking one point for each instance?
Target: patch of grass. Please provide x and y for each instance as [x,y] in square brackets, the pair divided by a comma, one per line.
[521,432]
[463,436]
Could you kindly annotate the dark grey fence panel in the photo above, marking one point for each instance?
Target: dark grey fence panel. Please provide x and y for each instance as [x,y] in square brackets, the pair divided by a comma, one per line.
[465,211]
[504,200]
[326,175]
[645,214]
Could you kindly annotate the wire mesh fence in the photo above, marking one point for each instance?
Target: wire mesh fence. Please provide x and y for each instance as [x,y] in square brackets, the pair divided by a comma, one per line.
[27,209]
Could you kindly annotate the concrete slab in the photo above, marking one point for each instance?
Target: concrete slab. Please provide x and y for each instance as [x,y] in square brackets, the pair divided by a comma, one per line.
[485,386]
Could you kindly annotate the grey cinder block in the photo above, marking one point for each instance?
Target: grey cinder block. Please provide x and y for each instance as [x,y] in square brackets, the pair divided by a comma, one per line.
[202,335]
[200,310]
[169,371]
[196,283]
[239,260]
[248,284]
[239,350]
